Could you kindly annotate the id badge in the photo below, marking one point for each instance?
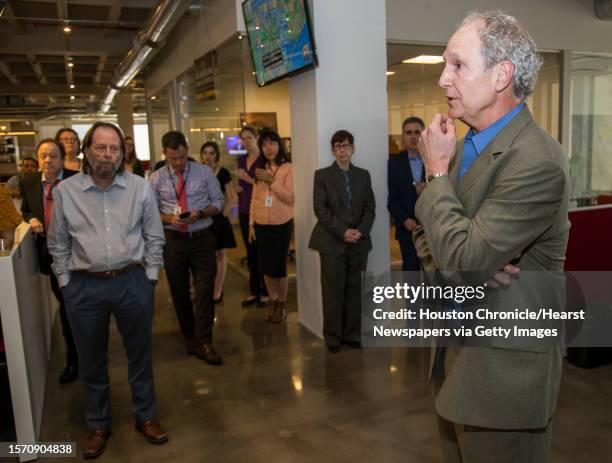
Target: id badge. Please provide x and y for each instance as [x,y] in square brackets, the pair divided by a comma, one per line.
[268,201]
[177,210]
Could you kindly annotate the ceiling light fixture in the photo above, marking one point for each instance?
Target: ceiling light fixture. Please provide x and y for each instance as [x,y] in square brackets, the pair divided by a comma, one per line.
[424,59]
[71,85]
[67,29]
[390,73]
[70,64]
[72,97]
[154,97]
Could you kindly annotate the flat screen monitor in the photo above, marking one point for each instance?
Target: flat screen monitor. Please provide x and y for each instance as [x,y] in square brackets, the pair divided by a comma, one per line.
[280,38]
[234,146]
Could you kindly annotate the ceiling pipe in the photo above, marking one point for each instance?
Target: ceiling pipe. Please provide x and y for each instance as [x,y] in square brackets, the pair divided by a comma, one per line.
[146,44]
[603,9]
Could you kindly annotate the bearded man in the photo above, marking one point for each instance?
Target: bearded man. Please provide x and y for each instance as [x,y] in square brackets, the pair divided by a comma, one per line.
[106,239]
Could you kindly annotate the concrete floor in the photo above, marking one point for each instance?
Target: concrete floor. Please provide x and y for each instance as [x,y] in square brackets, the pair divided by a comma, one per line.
[281,397]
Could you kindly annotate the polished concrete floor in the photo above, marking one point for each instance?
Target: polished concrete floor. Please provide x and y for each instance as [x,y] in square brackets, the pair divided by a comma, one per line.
[281,397]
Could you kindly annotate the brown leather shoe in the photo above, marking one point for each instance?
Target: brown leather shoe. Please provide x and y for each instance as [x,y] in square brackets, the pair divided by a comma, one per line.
[280,314]
[152,431]
[96,443]
[207,353]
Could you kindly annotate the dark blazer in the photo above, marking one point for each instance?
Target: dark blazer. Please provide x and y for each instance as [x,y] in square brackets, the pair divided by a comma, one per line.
[402,193]
[32,207]
[334,215]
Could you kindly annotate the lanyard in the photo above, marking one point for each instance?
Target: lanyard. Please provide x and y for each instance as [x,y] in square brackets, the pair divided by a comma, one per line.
[273,175]
[185,177]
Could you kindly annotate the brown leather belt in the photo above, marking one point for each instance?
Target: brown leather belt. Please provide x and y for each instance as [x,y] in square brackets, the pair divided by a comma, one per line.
[111,273]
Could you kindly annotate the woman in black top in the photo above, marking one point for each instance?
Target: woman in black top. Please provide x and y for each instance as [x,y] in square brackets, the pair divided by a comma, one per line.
[132,163]
[221,227]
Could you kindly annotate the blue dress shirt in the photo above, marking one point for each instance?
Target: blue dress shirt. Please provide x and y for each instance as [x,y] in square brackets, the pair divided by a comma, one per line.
[475,143]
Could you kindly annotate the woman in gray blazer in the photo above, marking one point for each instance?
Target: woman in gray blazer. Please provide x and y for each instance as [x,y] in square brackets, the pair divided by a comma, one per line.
[345,208]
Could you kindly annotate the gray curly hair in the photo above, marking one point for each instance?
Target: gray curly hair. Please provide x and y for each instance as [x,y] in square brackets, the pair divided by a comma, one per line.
[505,39]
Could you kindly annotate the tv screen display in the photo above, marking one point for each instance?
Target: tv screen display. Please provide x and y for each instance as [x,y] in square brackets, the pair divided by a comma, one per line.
[234,146]
[280,38]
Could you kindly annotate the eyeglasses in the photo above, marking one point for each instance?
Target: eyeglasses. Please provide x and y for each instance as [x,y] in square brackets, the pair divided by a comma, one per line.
[69,140]
[101,149]
[412,132]
[343,146]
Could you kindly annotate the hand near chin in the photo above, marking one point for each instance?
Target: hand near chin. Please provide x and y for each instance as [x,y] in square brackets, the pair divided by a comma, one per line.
[438,143]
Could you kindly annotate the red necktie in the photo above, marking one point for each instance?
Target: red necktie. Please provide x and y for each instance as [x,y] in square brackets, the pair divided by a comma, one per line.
[48,199]
[182,199]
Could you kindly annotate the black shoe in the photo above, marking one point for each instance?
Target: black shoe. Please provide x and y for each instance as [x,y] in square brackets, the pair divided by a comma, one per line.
[265,303]
[248,301]
[190,346]
[207,353]
[70,374]
[334,349]
[218,301]
[353,344]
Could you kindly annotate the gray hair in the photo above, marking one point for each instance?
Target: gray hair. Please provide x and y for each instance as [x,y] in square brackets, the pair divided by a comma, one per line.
[505,39]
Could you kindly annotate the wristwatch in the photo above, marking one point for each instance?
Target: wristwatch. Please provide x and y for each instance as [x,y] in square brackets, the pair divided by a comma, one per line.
[432,176]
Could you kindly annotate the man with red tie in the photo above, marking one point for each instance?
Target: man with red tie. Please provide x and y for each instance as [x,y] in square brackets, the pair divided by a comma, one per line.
[188,195]
[37,189]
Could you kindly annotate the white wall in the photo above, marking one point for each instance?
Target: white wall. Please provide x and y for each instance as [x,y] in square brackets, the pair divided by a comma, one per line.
[554,24]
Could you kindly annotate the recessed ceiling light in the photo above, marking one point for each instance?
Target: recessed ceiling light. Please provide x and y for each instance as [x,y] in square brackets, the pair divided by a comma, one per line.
[153,97]
[72,97]
[67,29]
[390,73]
[70,64]
[424,59]
[71,85]
[3,127]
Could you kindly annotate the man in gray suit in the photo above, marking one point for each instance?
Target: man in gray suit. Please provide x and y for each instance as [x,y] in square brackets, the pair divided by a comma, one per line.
[500,193]
[344,205]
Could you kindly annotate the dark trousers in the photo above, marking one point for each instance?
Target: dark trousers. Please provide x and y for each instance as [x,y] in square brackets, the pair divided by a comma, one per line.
[196,254]
[341,288]
[410,259]
[257,287]
[90,301]
[71,352]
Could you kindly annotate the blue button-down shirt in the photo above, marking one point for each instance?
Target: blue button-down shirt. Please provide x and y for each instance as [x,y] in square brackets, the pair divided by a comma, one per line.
[416,167]
[201,186]
[475,143]
[98,230]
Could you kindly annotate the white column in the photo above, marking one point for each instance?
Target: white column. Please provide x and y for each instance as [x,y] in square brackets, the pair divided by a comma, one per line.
[348,91]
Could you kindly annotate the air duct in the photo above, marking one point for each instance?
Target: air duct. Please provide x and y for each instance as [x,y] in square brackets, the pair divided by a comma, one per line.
[146,44]
[603,9]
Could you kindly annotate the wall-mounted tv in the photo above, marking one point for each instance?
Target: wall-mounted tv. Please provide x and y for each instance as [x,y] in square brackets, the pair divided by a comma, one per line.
[280,38]
[233,144]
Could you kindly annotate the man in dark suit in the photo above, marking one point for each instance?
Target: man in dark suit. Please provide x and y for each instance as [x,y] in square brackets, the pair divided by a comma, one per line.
[500,195]
[405,179]
[37,190]
[344,205]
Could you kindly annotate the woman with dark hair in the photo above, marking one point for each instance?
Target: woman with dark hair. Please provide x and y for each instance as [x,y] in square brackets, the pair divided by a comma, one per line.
[344,205]
[271,212]
[132,163]
[72,146]
[221,227]
[246,179]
